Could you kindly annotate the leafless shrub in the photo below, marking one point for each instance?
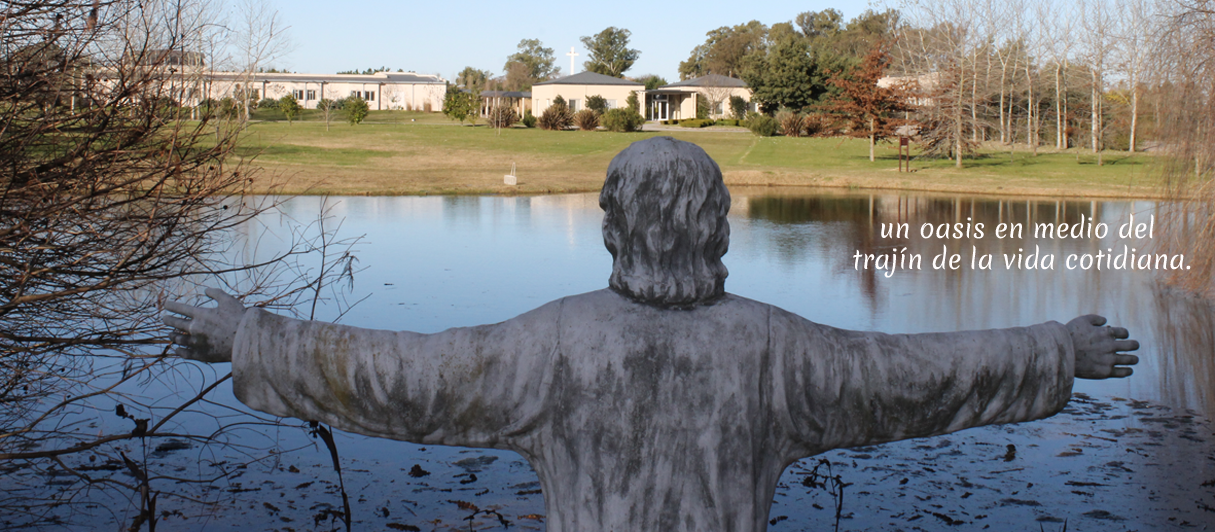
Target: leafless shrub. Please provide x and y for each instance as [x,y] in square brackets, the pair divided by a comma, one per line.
[112,200]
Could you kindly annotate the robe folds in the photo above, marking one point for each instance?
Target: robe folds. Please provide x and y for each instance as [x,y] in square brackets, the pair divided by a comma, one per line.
[638,418]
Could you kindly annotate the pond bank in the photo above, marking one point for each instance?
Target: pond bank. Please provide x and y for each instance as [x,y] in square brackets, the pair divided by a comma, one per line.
[428,158]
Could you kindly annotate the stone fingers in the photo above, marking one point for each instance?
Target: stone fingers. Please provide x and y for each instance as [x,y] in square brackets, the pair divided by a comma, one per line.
[178,323]
[180,308]
[1125,360]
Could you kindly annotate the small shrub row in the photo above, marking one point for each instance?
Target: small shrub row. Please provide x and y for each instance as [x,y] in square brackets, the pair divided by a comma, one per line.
[728,121]
[697,122]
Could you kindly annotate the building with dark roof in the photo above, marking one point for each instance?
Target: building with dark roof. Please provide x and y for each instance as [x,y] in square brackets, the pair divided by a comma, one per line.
[678,100]
[576,88]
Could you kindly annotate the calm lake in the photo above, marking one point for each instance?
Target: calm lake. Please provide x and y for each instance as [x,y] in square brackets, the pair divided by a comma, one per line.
[1130,454]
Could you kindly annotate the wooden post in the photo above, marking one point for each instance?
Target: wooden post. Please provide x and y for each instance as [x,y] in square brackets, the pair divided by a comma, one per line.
[903,143]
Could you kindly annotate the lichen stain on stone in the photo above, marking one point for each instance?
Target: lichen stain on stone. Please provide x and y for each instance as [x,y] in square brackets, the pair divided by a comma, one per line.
[333,360]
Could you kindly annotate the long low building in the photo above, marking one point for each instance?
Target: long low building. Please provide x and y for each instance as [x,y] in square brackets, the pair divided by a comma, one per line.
[407,91]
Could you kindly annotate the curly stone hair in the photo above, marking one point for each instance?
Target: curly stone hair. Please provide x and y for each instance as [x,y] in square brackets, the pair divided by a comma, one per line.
[664,223]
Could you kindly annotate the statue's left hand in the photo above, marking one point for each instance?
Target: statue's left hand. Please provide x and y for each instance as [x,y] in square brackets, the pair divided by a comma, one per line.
[206,334]
[1097,348]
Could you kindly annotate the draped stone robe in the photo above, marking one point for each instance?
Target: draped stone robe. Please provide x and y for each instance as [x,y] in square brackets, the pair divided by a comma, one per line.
[638,418]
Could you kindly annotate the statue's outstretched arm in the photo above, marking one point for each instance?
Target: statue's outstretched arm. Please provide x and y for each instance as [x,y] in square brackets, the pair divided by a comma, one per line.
[471,386]
[847,388]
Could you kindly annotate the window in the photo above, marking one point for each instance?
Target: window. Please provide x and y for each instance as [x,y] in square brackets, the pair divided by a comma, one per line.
[310,94]
[573,105]
[611,104]
[717,108]
[297,94]
[369,96]
[354,94]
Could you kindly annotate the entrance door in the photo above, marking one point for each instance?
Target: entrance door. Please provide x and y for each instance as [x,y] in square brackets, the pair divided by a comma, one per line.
[661,107]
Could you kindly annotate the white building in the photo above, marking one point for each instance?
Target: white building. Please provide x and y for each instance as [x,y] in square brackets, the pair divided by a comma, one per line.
[678,100]
[576,88]
[408,91]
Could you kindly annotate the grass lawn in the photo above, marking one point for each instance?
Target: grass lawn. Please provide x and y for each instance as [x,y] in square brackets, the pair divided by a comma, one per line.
[402,152]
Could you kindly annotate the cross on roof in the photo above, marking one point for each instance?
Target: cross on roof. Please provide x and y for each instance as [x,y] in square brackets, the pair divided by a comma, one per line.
[572,54]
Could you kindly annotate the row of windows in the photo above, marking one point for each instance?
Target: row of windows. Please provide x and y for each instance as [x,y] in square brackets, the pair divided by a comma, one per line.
[575,105]
[310,94]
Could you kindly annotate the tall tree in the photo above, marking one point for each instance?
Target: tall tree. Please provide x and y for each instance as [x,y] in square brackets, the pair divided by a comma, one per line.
[533,63]
[609,52]
[869,107]
[814,24]
[785,76]
[651,81]
[1097,38]
[473,79]
[260,37]
[725,50]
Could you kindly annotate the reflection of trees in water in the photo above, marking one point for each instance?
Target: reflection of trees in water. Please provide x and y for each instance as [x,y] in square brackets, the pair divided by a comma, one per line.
[824,223]
[839,226]
[462,210]
[1185,333]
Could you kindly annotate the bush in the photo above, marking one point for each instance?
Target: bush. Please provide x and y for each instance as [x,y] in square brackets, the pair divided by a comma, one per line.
[556,117]
[738,107]
[791,123]
[622,120]
[356,109]
[290,107]
[502,117]
[529,120]
[266,103]
[633,103]
[587,119]
[727,122]
[596,103]
[696,123]
[763,125]
[228,108]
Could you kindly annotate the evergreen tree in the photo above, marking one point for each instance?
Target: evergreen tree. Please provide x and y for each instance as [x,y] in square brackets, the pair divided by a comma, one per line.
[609,53]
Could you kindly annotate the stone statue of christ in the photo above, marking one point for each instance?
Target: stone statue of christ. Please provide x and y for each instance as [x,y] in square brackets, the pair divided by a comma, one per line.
[661,403]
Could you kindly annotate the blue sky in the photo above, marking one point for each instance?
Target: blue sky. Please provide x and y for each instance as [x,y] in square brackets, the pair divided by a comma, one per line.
[442,37]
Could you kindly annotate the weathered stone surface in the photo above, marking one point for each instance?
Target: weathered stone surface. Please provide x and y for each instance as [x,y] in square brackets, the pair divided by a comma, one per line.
[642,418]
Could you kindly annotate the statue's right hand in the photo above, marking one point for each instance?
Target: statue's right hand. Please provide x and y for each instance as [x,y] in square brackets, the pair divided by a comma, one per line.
[205,334]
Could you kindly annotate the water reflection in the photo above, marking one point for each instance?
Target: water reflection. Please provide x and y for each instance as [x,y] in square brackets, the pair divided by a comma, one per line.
[436,263]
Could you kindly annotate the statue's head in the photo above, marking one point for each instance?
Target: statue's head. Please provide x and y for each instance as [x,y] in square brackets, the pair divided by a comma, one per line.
[665,223]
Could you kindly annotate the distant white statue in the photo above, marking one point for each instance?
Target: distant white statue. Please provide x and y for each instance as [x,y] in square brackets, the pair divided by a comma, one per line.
[661,403]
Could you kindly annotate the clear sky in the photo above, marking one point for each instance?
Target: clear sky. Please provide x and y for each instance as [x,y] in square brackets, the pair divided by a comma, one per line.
[442,37]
